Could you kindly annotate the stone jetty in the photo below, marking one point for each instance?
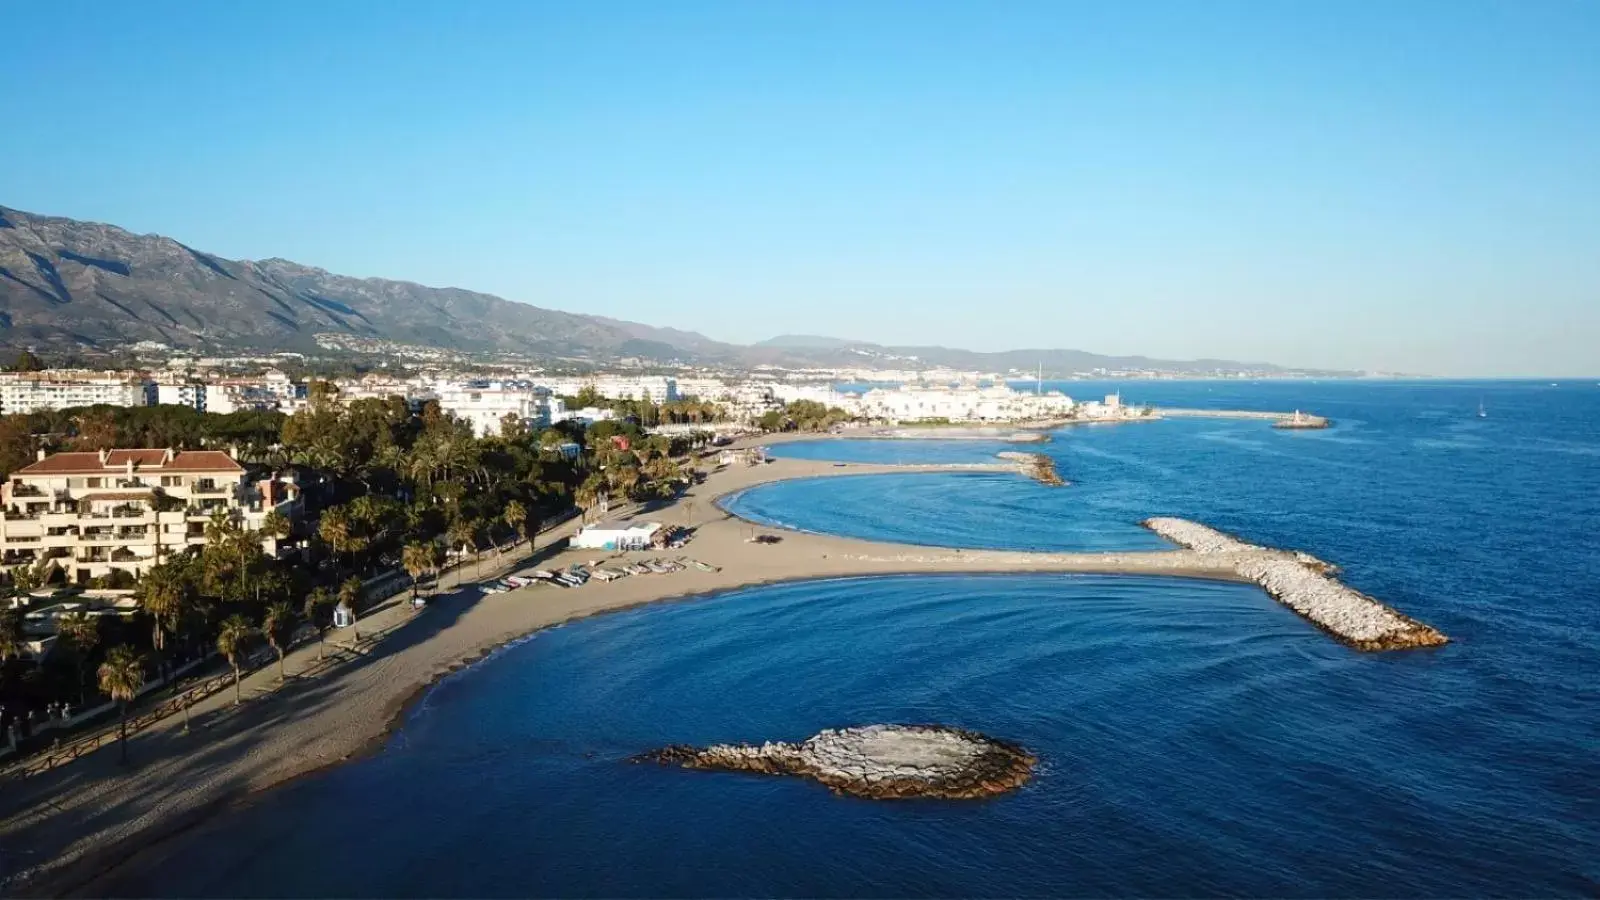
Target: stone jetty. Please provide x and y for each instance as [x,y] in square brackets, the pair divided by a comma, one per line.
[1038,466]
[879,762]
[1287,420]
[1304,584]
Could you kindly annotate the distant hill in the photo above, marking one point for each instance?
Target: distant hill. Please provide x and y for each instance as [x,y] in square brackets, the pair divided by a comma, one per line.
[68,284]
[805,342]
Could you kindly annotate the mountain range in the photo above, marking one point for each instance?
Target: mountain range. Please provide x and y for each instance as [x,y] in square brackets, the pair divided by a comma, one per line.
[67,284]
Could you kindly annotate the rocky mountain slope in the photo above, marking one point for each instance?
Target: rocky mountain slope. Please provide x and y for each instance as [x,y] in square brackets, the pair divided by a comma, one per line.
[69,284]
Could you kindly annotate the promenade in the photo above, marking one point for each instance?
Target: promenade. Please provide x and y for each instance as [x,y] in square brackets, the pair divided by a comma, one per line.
[71,822]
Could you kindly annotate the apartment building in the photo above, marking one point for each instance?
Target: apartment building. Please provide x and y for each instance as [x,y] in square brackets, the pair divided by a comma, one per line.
[655,388]
[486,404]
[104,512]
[28,392]
[186,393]
[991,404]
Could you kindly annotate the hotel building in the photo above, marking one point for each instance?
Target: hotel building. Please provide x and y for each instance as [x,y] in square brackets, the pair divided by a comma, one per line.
[102,512]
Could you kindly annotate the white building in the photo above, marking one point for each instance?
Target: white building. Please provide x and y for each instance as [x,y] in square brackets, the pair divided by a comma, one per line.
[190,394]
[616,536]
[655,388]
[231,397]
[710,389]
[991,404]
[486,404]
[27,392]
[96,514]
[816,393]
[587,416]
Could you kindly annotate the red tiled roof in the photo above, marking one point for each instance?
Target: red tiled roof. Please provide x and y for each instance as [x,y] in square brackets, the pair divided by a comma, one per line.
[88,463]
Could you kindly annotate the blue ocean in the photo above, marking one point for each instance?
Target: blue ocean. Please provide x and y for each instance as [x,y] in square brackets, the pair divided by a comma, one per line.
[1195,738]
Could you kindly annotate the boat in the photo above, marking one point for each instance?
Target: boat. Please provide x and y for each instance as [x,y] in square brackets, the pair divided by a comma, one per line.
[1482,413]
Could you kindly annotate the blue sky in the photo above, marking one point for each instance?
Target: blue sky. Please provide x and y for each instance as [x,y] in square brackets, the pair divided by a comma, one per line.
[1387,185]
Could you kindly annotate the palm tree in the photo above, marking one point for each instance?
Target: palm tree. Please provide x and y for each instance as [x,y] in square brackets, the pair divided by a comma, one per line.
[460,534]
[417,560]
[232,642]
[10,634]
[335,530]
[121,676]
[515,516]
[318,611]
[276,525]
[530,528]
[164,594]
[350,598]
[477,527]
[81,632]
[590,493]
[278,628]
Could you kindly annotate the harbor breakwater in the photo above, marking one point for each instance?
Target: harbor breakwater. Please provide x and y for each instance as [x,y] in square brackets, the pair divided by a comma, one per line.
[1288,420]
[1038,466]
[1305,584]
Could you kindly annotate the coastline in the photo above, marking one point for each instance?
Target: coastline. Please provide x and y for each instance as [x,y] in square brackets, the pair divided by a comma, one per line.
[104,822]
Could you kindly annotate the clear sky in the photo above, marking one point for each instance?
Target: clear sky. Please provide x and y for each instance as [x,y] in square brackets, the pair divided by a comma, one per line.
[1371,184]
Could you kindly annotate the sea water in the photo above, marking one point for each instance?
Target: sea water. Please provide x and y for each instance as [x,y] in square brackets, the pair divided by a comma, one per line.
[1194,738]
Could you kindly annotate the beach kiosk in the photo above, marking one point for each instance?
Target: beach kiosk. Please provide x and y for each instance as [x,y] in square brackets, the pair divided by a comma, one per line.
[343,617]
[617,536]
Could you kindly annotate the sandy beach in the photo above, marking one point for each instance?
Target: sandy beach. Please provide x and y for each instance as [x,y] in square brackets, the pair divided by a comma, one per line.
[65,827]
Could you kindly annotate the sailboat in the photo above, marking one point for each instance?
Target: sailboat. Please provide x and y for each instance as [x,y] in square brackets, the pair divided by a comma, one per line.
[1482,413]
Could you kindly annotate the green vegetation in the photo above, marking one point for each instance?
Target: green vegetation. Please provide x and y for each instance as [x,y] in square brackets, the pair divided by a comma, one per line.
[803,415]
[689,411]
[121,676]
[384,488]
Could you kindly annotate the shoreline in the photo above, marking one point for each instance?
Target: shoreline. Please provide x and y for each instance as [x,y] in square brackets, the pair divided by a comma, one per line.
[105,822]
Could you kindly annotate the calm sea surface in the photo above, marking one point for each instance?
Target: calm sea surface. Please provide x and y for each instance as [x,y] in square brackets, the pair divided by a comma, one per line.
[1195,738]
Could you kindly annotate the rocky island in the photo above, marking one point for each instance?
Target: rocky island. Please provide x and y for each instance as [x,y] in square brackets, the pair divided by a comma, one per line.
[879,762]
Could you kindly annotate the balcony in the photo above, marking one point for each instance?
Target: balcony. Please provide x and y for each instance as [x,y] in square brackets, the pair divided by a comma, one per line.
[210,488]
[23,489]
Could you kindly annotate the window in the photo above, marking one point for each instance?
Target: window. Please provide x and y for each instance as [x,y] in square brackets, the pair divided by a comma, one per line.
[172,481]
[96,482]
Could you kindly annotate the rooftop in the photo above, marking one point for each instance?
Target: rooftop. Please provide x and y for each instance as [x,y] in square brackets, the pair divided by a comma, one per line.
[110,462]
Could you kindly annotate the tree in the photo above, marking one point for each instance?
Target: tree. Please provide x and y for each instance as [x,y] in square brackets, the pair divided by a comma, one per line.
[417,559]
[11,643]
[461,534]
[335,531]
[163,593]
[81,632]
[318,610]
[16,443]
[27,362]
[515,516]
[350,599]
[277,626]
[233,641]
[276,525]
[121,676]
[589,494]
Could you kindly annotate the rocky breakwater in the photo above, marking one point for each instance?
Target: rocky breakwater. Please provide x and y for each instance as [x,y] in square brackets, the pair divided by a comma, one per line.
[1304,584]
[1037,466]
[879,762]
